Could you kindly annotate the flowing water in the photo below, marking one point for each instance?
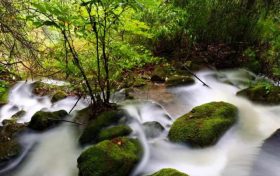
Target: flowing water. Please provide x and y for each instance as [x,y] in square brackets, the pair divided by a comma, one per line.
[54,152]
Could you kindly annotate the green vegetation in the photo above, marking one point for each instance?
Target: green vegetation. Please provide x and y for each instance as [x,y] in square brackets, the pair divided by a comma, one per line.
[41,120]
[98,45]
[116,157]
[168,172]
[204,125]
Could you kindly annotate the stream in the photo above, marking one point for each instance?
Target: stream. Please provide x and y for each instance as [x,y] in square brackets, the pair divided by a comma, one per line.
[54,153]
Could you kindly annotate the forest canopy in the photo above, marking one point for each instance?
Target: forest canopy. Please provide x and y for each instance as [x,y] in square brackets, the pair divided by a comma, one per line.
[95,44]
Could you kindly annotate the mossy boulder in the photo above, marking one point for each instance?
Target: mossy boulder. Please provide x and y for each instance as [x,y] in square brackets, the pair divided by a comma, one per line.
[9,146]
[262,93]
[204,125]
[59,95]
[9,150]
[168,172]
[41,120]
[105,119]
[161,72]
[117,157]
[178,80]
[113,132]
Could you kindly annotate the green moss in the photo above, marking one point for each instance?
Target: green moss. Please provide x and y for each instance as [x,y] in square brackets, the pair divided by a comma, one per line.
[90,133]
[115,157]
[179,80]
[204,125]
[262,93]
[113,132]
[43,120]
[59,95]
[168,172]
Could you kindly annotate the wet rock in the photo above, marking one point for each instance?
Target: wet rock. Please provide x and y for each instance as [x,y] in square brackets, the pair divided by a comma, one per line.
[168,172]
[117,157]
[153,129]
[262,93]
[204,125]
[268,160]
[41,120]
[18,115]
[59,95]
[9,146]
[179,80]
[105,119]
[113,132]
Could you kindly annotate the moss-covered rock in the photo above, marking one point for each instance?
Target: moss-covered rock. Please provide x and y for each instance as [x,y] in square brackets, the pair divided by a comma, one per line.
[91,132]
[179,80]
[59,95]
[116,157]
[161,72]
[113,132]
[9,150]
[9,147]
[204,125]
[262,93]
[84,115]
[41,120]
[168,172]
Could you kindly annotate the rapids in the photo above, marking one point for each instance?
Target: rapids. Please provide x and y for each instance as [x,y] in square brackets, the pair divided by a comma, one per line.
[54,152]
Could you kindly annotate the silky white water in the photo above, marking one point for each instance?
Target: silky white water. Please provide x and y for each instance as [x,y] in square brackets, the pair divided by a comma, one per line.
[55,152]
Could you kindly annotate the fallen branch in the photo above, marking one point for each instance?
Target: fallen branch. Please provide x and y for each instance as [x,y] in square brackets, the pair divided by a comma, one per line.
[77,123]
[204,84]
[75,104]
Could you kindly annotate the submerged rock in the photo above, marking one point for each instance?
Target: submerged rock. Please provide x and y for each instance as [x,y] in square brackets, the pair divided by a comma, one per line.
[113,132]
[153,129]
[91,132]
[262,93]
[59,95]
[204,125]
[168,172]
[178,80]
[116,157]
[43,120]
[268,160]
